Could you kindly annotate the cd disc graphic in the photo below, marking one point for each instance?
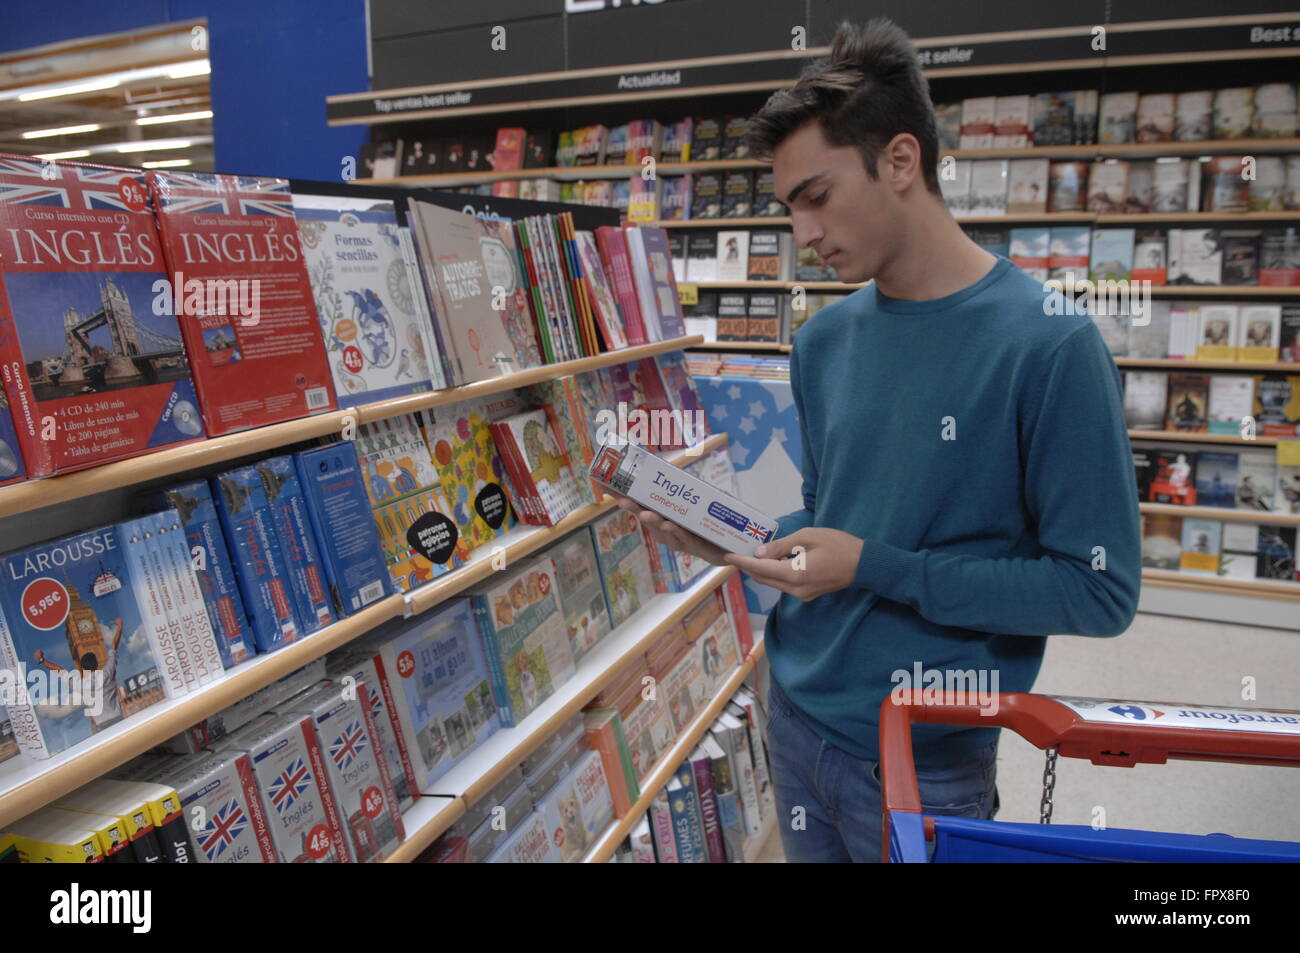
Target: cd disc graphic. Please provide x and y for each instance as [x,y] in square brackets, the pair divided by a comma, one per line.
[186,417]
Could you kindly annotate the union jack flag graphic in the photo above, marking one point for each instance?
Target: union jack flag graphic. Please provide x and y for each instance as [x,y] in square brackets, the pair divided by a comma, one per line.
[224,825]
[33,182]
[755,530]
[348,746]
[289,786]
[187,193]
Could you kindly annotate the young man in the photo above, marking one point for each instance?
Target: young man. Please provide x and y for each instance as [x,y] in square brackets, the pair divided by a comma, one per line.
[967,480]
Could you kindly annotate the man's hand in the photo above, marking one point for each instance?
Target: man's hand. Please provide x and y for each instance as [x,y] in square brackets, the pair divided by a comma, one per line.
[669,533]
[824,560]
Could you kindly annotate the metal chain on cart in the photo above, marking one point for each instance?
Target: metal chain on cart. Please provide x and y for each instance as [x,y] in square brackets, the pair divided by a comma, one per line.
[1049,785]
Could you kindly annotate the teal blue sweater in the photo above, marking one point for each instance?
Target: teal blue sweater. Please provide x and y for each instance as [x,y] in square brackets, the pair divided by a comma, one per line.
[976,547]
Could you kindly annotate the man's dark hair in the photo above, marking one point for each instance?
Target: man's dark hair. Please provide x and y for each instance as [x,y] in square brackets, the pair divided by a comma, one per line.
[864,93]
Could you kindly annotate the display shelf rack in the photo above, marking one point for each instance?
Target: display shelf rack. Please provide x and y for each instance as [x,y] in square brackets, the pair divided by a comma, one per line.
[1130,150]
[664,768]
[35,494]
[1034,218]
[425,821]
[26,785]
[484,767]
[1219,585]
[1185,436]
[1222,513]
[1196,364]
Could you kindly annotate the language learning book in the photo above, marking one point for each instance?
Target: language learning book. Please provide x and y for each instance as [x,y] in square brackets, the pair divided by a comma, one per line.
[261,360]
[91,356]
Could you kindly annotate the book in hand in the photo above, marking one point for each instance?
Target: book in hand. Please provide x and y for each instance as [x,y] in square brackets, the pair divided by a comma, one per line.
[263,361]
[683,498]
[377,345]
[93,363]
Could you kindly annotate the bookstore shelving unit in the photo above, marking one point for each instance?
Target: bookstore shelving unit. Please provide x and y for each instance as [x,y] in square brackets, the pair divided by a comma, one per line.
[474,778]
[35,494]
[663,769]
[26,785]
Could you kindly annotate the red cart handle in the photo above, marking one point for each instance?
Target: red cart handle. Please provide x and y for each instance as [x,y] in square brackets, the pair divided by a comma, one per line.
[1106,731]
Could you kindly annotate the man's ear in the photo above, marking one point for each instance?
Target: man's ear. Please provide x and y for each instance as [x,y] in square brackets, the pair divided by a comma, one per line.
[902,160]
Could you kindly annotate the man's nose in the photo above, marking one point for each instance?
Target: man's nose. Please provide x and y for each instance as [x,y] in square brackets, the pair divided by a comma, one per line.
[806,231]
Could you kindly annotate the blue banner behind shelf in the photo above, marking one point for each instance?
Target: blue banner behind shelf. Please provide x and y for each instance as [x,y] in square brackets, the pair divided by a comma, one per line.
[762,424]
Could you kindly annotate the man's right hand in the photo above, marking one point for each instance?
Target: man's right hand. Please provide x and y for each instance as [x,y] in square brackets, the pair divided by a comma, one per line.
[670,534]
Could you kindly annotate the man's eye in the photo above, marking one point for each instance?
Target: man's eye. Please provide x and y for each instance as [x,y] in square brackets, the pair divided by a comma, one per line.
[817,199]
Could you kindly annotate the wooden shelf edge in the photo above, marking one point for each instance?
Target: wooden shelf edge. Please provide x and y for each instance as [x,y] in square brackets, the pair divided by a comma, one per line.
[485,782]
[1173,579]
[139,734]
[1187,436]
[37,494]
[425,834]
[1221,513]
[1194,364]
[664,768]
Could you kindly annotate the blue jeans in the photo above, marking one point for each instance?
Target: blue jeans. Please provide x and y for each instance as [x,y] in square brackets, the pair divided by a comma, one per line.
[840,794]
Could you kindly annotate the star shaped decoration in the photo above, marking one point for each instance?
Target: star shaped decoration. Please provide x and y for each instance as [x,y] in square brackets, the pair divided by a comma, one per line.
[756,409]
[733,392]
[778,434]
[720,412]
[739,454]
[747,425]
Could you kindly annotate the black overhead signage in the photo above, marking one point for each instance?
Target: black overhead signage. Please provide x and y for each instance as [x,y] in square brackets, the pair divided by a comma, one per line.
[704,77]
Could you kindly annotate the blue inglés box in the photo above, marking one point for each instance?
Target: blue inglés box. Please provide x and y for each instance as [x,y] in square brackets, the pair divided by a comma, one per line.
[330,479]
[255,554]
[297,543]
[198,513]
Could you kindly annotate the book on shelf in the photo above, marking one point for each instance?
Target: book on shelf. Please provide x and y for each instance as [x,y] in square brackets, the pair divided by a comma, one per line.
[355,766]
[1257,480]
[464,260]
[1139,197]
[656,291]
[1027,186]
[1170,184]
[1118,118]
[1267,190]
[733,255]
[1225,188]
[1276,554]
[988,187]
[706,138]
[94,365]
[540,470]
[947,119]
[1068,255]
[1111,254]
[762,321]
[1189,395]
[377,345]
[1219,332]
[1145,398]
[249,371]
[738,193]
[1231,400]
[1172,478]
[1277,404]
[333,488]
[766,202]
[1067,187]
[675,145]
[1279,257]
[734,145]
[1155,117]
[995,241]
[954,184]
[1289,334]
[1011,122]
[1108,186]
[1149,261]
[306,578]
[1202,543]
[381,160]
[1216,478]
[675,197]
[524,637]
[1234,110]
[422,157]
[771,256]
[1195,256]
[643,140]
[1193,116]
[12,467]
[1162,541]
[1029,250]
[978,129]
[258,561]
[1259,332]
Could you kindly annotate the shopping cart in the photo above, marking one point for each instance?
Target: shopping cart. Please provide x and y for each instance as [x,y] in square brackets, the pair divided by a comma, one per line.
[1106,732]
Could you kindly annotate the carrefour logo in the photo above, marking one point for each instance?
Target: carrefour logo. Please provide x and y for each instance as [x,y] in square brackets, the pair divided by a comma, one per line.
[1136,712]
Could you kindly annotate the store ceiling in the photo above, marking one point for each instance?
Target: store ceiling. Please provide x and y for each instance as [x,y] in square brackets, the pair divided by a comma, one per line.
[156,73]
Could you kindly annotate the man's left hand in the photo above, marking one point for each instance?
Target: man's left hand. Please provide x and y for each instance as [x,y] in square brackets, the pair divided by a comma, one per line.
[823,560]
